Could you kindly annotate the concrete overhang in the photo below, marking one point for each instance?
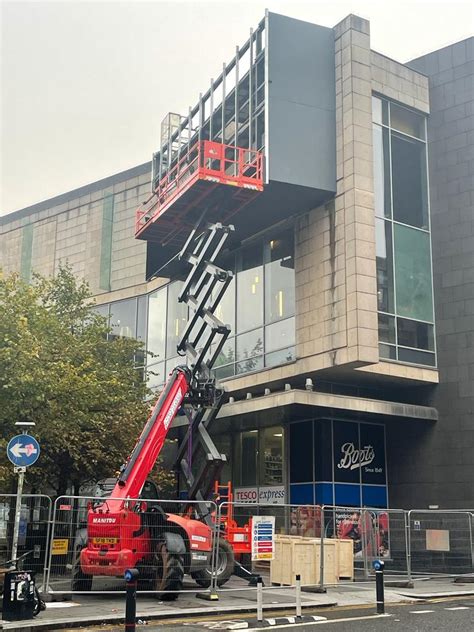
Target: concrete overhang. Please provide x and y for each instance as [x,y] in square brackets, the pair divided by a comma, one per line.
[282,406]
[325,400]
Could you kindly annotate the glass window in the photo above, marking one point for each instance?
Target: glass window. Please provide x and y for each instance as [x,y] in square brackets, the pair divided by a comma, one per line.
[217,125]
[227,354]
[156,375]
[249,443]
[102,310]
[249,351]
[301,452]
[409,181]
[280,335]
[382,190]
[415,334]
[225,311]
[384,254]
[388,352]
[157,323]
[224,443]
[280,279]
[346,449]
[416,357]
[271,449]
[322,451]
[387,328]
[177,318]
[280,357]
[407,121]
[250,290]
[123,318]
[413,273]
[142,309]
[372,445]
[379,111]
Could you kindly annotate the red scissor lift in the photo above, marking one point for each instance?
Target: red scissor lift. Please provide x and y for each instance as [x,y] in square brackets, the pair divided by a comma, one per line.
[220,179]
[208,182]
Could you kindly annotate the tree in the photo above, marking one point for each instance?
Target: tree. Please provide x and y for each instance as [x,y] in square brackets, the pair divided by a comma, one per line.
[59,369]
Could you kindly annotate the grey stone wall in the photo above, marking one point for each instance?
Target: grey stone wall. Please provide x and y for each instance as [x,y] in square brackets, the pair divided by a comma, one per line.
[436,466]
[70,228]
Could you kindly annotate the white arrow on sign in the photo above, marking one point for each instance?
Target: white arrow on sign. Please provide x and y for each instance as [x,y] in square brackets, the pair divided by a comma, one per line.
[17,450]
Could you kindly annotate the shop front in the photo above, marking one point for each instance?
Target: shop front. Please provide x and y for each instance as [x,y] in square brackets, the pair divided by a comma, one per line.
[307,462]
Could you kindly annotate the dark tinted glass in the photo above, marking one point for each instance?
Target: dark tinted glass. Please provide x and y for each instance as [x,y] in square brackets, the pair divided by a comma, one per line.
[407,121]
[414,334]
[372,443]
[322,451]
[416,357]
[409,181]
[382,191]
[386,328]
[301,452]
[383,245]
[346,452]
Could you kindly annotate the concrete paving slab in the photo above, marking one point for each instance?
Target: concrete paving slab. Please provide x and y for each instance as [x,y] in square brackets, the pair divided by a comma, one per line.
[235,597]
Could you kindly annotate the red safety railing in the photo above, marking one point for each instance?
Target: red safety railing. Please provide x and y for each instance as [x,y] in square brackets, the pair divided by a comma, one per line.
[207,161]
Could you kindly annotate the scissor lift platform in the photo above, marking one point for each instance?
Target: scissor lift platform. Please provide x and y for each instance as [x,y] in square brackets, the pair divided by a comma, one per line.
[210,177]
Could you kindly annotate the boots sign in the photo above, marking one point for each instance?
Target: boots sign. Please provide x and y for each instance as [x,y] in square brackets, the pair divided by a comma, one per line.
[359,453]
[352,458]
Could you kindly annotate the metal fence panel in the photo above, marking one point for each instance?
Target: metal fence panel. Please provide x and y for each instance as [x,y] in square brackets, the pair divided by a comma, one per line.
[35,522]
[376,534]
[441,542]
[164,539]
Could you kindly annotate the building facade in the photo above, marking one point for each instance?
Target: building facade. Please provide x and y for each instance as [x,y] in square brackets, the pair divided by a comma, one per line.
[350,367]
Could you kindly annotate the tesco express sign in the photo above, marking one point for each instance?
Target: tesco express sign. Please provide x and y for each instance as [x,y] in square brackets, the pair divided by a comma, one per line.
[274,495]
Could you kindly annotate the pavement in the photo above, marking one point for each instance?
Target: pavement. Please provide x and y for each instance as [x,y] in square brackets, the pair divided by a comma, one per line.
[235,598]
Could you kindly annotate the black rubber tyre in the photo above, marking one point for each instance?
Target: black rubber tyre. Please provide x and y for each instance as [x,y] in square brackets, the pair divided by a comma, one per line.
[225,567]
[80,581]
[169,573]
[39,604]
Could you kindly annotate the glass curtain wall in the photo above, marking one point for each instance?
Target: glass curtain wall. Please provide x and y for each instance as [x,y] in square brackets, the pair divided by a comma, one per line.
[259,306]
[403,245]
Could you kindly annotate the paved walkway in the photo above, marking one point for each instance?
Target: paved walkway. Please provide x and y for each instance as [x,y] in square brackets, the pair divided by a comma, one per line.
[235,598]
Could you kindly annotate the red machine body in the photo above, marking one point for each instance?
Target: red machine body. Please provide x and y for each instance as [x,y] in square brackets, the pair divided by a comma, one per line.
[119,530]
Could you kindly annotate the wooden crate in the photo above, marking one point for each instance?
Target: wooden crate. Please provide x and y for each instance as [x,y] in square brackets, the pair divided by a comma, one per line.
[295,555]
[345,558]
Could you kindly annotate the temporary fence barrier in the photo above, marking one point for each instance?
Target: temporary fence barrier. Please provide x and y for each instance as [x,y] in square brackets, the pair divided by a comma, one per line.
[158,537]
[34,531]
[375,533]
[323,544]
[441,542]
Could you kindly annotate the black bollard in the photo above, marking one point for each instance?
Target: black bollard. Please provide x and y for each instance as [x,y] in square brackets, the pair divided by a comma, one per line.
[131,575]
[379,589]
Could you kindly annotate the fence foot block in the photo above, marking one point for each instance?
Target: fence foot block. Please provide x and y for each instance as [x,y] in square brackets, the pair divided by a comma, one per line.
[313,589]
[464,579]
[208,596]
[48,597]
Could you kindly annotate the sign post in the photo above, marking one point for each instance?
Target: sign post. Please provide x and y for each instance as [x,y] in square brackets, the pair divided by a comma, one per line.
[23,450]
[263,537]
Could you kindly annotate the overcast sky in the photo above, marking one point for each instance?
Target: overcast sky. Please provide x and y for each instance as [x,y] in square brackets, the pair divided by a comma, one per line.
[85,85]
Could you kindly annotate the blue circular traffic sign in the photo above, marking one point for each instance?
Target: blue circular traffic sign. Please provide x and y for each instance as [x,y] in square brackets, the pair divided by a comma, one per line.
[23,450]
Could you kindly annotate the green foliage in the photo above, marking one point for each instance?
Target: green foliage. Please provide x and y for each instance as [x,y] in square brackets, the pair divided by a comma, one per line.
[58,369]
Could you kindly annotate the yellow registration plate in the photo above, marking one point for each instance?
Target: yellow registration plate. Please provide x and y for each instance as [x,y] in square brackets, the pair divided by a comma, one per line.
[104,540]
